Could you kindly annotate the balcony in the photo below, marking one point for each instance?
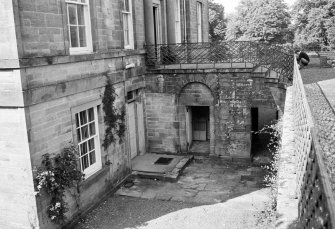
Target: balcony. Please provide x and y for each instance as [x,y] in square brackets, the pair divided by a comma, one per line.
[223,55]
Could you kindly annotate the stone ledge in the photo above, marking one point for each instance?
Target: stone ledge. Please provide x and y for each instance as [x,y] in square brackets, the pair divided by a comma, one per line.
[52,60]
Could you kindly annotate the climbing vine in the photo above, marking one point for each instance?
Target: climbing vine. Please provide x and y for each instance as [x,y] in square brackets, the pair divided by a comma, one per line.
[57,174]
[114,119]
[268,216]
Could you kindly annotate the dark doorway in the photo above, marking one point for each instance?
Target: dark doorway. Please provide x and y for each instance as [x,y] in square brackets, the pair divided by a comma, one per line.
[254,119]
[261,120]
[200,123]
[199,129]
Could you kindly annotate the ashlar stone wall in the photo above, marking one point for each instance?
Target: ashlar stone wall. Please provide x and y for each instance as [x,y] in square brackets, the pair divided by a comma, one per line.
[229,93]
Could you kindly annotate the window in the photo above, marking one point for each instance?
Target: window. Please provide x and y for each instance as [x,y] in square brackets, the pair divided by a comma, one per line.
[79,26]
[132,95]
[178,24]
[88,140]
[157,23]
[127,25]
[199,21]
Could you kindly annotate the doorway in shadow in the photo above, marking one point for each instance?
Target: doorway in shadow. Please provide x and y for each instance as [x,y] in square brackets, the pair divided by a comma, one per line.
[200,128]
[261,120]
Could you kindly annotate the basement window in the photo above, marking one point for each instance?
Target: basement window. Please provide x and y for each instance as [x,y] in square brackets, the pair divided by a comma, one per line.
[88,140]
[132,95]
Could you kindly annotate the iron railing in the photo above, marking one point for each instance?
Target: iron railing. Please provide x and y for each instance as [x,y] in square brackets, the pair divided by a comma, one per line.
[274,57]
[316,203]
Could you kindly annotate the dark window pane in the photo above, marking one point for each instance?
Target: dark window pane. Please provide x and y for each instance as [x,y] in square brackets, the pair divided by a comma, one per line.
[74,36]
[72,14]
[130,95]
[84,162]
[92,157]
[91,144]
[77,120]
[78,135]
[80,11]
[90,115]
[82,36]
[84,132]
[83,118]
[83,148]
[92,129]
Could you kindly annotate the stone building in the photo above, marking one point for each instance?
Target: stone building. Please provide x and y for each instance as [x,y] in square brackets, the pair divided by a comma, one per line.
[55,59]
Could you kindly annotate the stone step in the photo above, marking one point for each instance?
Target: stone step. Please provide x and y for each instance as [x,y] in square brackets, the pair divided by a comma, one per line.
[170,175]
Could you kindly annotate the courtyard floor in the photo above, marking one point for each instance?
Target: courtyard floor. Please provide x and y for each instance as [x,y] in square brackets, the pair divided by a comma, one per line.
[211,193]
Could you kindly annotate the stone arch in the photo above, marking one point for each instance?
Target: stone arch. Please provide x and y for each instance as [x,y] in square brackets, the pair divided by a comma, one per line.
[196,94]
[208,80]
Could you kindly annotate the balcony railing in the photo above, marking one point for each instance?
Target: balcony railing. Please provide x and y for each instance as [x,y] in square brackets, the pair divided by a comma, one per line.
[274,57]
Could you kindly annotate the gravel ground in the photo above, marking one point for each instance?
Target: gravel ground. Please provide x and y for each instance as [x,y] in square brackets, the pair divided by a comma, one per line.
[119,212]
[325,121]
[313,73]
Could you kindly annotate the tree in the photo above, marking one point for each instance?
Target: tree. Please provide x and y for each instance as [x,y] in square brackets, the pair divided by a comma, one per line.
[314,22]
[217,23]
[260,20]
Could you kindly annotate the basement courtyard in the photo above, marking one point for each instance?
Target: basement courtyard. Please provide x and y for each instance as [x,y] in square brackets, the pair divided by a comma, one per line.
[210,193]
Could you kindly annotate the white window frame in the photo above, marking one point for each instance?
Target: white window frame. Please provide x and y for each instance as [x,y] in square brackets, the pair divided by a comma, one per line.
[93,168]
[88,33]
[178,21]
[199,21]
[129,15]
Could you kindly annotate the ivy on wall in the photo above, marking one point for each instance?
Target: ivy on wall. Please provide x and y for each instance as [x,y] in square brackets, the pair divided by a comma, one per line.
[114,119]
[57,174]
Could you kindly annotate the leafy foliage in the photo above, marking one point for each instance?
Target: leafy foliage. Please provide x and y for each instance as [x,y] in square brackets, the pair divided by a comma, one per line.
[57,174]
[268,216]
[314,22]
[260,20]
[217,22]
[114,119]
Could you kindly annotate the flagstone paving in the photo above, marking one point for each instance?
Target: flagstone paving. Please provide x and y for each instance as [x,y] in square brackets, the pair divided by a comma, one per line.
[205,181]
[211,193]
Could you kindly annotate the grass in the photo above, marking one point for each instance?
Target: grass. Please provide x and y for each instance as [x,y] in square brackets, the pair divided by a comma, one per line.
[314,72]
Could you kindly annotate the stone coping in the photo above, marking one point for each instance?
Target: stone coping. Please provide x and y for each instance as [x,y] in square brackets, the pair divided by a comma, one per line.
[287,203]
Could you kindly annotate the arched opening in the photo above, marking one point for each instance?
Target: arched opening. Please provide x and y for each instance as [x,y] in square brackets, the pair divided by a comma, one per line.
[196,115]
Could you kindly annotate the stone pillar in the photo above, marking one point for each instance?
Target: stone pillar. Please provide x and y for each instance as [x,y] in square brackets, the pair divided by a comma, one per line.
[171,21]
[149,22]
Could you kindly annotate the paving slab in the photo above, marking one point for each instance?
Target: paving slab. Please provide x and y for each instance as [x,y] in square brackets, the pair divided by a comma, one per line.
[200,183]
[212,199]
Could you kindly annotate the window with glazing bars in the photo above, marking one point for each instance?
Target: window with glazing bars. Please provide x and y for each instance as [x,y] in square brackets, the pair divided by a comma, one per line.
[79,26]
[88,140]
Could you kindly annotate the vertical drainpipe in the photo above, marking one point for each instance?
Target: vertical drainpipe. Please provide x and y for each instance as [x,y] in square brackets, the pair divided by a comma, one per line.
[149,22]
[171,21]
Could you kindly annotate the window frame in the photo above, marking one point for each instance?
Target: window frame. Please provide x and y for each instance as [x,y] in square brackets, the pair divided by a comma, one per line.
[87,22]
[199,9]
[178,21]
[129,24]
[92,169]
